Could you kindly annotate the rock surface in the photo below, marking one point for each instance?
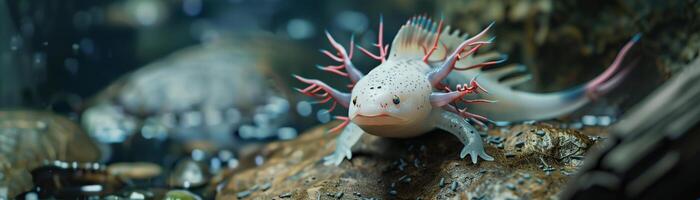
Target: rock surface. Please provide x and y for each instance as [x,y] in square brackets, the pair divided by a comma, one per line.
[28,138]
[532,162]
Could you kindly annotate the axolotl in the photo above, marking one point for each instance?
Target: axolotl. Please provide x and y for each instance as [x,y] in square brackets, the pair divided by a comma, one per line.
[409,93]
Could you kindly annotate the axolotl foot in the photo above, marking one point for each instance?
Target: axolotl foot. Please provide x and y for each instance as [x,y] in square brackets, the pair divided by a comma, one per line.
[467,134]
[475,149]
[343,146]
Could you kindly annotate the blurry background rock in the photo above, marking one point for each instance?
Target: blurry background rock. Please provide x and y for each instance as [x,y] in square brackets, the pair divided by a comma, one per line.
[28,138]
[203,92]
[73,180]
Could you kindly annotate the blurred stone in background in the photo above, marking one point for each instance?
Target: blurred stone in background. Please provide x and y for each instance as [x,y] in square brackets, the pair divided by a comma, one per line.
[29,138]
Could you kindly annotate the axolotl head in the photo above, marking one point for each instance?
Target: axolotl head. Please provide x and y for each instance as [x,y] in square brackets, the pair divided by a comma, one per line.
[392,95]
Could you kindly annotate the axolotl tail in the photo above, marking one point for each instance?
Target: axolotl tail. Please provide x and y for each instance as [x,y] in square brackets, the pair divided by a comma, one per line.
[513,105]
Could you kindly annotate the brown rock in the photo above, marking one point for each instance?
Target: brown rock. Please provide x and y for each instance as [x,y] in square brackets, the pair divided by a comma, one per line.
[27,138]
[428,167]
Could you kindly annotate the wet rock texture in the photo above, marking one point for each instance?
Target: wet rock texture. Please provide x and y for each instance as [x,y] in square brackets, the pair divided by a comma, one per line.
[532,162]
[28,138]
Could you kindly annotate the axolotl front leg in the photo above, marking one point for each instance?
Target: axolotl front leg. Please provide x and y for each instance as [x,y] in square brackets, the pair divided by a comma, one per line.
[343,145]
[467,134]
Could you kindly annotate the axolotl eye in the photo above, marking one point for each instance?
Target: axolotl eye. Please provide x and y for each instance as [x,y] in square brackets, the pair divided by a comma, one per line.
[396,100]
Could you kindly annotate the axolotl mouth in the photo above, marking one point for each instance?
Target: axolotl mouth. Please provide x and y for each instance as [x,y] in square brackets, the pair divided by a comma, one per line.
[377,120]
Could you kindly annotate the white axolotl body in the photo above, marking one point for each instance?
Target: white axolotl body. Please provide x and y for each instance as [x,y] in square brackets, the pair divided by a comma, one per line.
[408,94]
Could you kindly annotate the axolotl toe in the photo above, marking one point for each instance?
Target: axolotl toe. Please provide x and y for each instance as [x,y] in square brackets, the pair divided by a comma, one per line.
[409,94]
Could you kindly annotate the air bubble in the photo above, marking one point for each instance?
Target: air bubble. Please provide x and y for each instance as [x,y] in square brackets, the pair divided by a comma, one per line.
[589,120]
[304,108]
[286,133]
[323,116]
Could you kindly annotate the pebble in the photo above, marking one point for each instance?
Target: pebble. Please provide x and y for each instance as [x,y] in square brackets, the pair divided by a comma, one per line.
[135,170]
[243,194]
[441,184]
[266,186]
[518,134]
[496,139]
[510,186]
[539,181]
[285,195]
[405,179]
[520,144]
[393,192]
[509,155]
[549,169]
[181,195]
[454,186]
[187,173]
[540,133]
[339,195]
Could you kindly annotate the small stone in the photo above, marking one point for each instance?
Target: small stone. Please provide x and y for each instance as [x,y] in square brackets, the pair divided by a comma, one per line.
[510,186]
[441,184]
[181,195]
[137,195]
[135,170]
[539,133]
[520,144]
[518,134]
[339,195]
[357,194]
[243,194]
[509,155]
[187,173]
[526,176]
[405,179]
[285,195]
[393,192]
[266,186]
[496,139]
[454,186]
[549,169]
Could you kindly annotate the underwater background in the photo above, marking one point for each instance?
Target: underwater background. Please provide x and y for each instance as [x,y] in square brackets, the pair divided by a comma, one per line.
[195,99]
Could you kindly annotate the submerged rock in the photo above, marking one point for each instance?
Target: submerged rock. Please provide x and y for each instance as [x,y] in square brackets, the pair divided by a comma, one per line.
[188,173]
[73,180]
[135,170]
[28,138]
[428,167]
[181,195]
